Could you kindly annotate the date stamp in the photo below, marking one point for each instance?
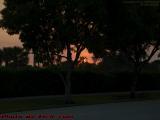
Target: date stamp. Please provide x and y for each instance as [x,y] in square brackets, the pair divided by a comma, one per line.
[36,116]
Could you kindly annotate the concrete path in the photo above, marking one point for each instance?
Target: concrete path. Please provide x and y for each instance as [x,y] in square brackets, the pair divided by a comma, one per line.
[147,110]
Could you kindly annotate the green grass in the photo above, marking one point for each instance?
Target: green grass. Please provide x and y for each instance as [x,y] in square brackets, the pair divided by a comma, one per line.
[16,105]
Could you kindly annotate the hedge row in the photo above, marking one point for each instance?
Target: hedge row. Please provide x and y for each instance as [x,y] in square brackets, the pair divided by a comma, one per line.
[34,82]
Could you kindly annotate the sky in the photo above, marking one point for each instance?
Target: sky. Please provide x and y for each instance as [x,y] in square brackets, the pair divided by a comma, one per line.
[7,40]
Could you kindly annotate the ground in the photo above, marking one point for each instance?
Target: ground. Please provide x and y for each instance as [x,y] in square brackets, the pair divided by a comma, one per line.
[142,110]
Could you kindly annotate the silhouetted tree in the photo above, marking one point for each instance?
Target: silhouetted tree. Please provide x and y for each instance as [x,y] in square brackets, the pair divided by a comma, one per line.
[133,29]
[51,26]
[115,62]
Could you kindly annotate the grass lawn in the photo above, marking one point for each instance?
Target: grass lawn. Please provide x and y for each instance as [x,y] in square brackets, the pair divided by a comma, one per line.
[15,105]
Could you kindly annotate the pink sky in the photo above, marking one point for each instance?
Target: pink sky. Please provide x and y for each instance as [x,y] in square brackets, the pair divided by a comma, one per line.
[7,40]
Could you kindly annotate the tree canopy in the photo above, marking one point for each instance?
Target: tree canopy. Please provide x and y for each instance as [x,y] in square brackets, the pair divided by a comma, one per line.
[49,27]
[133,28]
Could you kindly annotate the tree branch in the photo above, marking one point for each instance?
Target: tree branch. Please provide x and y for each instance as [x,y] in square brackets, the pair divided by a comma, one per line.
[155,49]
[129,56]
[62,56]
[69,54]
[80,48]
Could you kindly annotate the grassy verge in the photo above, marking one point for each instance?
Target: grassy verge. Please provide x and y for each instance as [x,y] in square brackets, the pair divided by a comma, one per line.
[16,105]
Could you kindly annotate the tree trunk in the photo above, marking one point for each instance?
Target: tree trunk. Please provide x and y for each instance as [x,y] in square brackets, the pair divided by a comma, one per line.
[67,81]
[6,63]
[34,62]
[67,85]
[134,82]
[68,97]
[133,89]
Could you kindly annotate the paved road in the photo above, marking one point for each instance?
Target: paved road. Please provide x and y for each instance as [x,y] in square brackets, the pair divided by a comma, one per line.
[148,110]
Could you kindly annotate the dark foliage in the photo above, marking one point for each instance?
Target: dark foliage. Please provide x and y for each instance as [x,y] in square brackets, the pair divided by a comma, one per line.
[37,82]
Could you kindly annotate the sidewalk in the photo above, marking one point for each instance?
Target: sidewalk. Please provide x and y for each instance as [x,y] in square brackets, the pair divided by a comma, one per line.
[148,110]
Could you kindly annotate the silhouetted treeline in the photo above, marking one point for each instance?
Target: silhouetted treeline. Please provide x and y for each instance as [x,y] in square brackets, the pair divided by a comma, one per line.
[35,82]
[13,57]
